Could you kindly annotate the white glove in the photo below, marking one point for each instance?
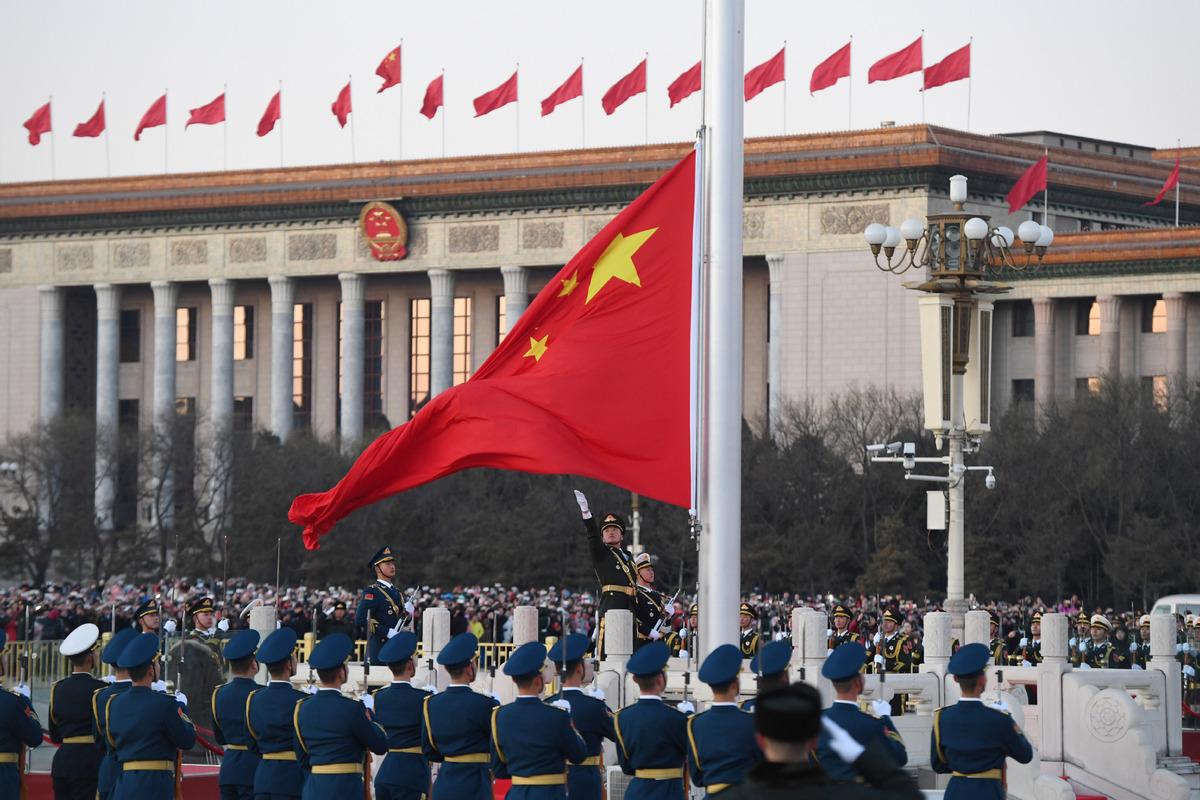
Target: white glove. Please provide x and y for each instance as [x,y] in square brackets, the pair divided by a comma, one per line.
[223,625]
[180,697]
[309,688]
[687,707]
[876,639]
[1024,641]
[392,632]
[655,636]
[846,746]
[110,678]
[1072,641]
[1000,705]
[1187,647]
[409,608]
[595,692]
[327,611]
[828,652]
[1137,666]
[583,506]
[669,609]
[829,633]
[1188,670]
[684,654]
[22,690]
[683,634]
[495,697]
[278,624]
[169,626]
[563,704]
[879,659]
[882,708]
[1133,647]
[430,688]
[1085,666]
[1179,648]
[367,700]
[158,686]
[1026,663]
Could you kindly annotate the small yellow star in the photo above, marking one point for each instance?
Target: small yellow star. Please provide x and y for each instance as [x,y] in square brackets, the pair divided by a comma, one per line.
[617,262]
[569,285]
[391,56]
[537,348]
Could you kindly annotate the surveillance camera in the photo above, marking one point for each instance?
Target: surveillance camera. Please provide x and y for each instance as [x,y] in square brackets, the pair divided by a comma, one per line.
[910,455]
[875,448]
[893,448]
[910,448]
[990,481]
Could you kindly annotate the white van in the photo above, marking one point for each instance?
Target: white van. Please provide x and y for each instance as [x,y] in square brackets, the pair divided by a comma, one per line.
[1177,604]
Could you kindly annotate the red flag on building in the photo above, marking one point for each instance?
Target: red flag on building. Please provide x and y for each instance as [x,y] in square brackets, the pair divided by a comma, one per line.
[341,107]
[621,306]
[270,116]
[766,74]
[571,88]
[155,115]
[953,67]
[433,97]
[685,85]
[831,70]
[38,124]
[210,114]
[1028,185]
[499,97]
[94,126]
[904,62]
[389,70]
[1172,182]
[632,84]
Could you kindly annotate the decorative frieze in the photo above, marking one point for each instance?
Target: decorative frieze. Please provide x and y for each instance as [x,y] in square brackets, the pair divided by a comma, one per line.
[594,225]
[312,246]
[75,257]
[754,224]
[418,241]
[845,219]
[189,252]
[542,236]
[248,250]
[474,238]
[131,255]
[5,260]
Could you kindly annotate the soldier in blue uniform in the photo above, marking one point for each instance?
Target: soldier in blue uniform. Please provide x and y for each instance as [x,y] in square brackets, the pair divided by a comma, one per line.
[590,715]
[19,728]
[651,736]
[844,669]
[970,740]
[532,741]
[773,674]
[721,738]
[148,617]
[147,728]
[76,767]
[110,770]
[457,727]
[333,732]
[269,718]
[404,774]
[383,608]
[238,765]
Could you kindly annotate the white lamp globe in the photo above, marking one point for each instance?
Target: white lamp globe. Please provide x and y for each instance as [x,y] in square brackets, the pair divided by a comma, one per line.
[1003,238]
[893,237]
[1046,238]
[958,189]
[875,234]
[975,229]
[911,229]
[1029,231]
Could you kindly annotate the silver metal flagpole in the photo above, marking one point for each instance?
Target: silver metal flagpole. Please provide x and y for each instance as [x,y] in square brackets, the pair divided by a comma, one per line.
[785,87]
[281,123]
[1178,146]
[647,98]
[53,166]
[850,92]
[353,156]
[1046,193]
[107,158]
[517,75]
[166,152]
[443,112]
[922,76]
[225,128]
[400,133]
[582,109]
[971,46]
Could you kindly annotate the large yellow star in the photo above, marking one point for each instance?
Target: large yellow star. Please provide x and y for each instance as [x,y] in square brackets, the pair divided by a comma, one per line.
[569,284]
[537,348]
[617,262]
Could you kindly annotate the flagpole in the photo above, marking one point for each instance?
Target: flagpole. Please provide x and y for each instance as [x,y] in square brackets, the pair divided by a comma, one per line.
[646,115]
[400,133]
[107,158]
[785,88]
[517,74]
[1046,193]
[443,112]
[353,156]
[225,128]
[53,166]
[280,121]
[166,152]
[922,76]
[582,109]
[970,42]
[850,93]
[1178,148]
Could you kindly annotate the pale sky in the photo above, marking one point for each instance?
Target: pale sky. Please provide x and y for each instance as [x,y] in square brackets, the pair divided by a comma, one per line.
[1105,69]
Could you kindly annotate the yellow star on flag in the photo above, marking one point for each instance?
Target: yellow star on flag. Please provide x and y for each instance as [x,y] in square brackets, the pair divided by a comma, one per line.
[569,285]
[537,348]
[617,262]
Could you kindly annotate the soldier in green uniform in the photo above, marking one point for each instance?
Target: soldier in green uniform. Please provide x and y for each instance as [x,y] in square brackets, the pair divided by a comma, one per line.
[748,638]
[1079,642]
[613,566]
[892,652]
[1101,653]
[653,609]
[840,633]
[996,647]
[1141,647]
[204,630]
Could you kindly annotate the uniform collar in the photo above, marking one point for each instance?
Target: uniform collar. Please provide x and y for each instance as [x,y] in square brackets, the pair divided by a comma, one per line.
[719,705]
[572,689]
[322,690]
[847,702]
[382,582]
[970,700]
[401,683]
[650,697]
[274,682]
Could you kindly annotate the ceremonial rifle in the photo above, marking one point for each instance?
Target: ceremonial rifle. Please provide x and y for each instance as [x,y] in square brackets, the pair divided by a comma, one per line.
[658,625]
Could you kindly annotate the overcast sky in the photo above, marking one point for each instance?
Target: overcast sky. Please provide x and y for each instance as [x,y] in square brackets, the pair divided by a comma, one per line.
[1106,69]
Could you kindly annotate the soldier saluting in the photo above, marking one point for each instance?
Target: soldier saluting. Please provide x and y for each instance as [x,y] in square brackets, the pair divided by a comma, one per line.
[614,567]
[383,607]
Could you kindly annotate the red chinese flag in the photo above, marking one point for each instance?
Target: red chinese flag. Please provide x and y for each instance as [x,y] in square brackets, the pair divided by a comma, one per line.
[210,114]
[1172,182]
[389,70]
[954,67]
[1028,185]
[627,87]
[433,97]
[38,124]
[621,306]
[270,116]
[341,106]
[831,70]
[685,85]
[766,74]
[155,115]
[904,62]
[571,88]
[499,97]
[94,126]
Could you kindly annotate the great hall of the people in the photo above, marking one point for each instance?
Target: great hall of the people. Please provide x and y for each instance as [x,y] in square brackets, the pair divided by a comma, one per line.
[251,300]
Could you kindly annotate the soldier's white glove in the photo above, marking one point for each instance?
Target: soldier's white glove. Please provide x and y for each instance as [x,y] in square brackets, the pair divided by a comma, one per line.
[583,506]
[1072,641]
[999,705]
[278,624]
[683,634]
[876,637]
[430,688]
[169,626]
[1137,666]
[1188,670]
[829,633]
[684,654]
[367,700]
[669,609]
[687,707]
[1025,663]
[22,690]
[180,697]
[158,686]
[392,632]
[309,688]
[327,611]
[110,678]
[563,704]
[1085,666]
[223,625]
[1024,641]
[879,659]
[596,692]
[495,697]
[882,708]
[1187,647]
[828,652]
[846,746]
[655,636]
[409,608]
[1133,647]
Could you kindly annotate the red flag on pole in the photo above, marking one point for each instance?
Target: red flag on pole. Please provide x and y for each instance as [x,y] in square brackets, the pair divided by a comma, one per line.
[571,88]
[389,70]
[954,67]
[831,70]
[270,116]
[685,85]
[903,62]
[433,98]
[94,126]
[1172,182]
[632,84]
[499,97]
[1028,185]
[210,114]
[766,74]
[38,124]
[622,306]
[341,106]
[155,115]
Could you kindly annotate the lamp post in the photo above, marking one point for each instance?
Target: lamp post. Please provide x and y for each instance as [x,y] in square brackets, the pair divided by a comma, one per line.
[960,253]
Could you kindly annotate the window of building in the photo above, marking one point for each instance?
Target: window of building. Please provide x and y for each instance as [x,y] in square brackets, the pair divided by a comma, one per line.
[302,350]
[243,333]
[1154,315]
[418,369]
[501,318]
[462,339]
[1087,387]
[125,503]
[1087,317]
[1154,389]
[1022,319]
[373,318]
[243,415]
[131,336]
[185,334]
[1022,391]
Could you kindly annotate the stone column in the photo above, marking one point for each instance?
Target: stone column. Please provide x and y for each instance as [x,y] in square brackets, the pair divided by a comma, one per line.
[221,404]
[283,301]
[1176,303]
[1043,350]
[263,619]
[525,625]
[108,353]
[1055,650]
[166,295]
[50,380]
[436,629]
[441,331]
[774,340]
[516,294]
[1110,334]
[1162,658]
[354,289]
[978,628]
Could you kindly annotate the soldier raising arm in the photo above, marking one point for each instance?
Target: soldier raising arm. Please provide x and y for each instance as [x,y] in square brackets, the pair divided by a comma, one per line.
[614,567]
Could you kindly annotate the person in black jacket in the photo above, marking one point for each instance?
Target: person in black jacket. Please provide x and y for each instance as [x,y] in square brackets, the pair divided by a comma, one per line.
[614,567]
[76,766]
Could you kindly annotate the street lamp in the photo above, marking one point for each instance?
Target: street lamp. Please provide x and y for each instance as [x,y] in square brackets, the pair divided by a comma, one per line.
[960,253]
